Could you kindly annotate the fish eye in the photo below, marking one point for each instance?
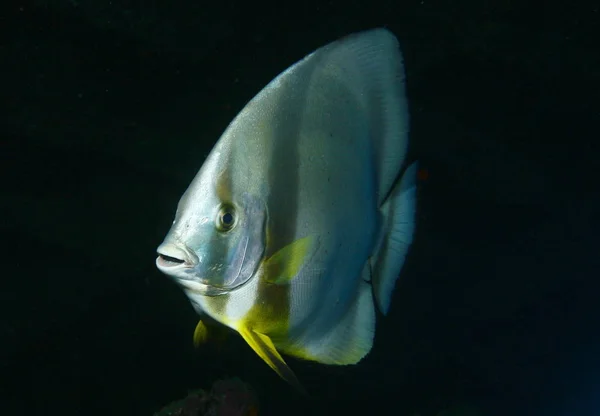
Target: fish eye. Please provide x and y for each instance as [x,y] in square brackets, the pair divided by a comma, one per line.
[226,218]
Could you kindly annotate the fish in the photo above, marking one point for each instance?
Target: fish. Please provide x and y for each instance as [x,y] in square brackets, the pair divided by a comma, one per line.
[296,227]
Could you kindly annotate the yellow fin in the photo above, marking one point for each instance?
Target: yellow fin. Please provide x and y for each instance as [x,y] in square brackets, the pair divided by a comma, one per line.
[200,334]
[205,332]
[263,346]
[285,264]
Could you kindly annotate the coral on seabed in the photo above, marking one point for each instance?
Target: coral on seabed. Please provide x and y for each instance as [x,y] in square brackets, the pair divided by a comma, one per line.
[231,397]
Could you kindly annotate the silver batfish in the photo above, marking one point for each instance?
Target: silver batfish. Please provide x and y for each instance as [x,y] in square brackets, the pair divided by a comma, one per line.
[299,221]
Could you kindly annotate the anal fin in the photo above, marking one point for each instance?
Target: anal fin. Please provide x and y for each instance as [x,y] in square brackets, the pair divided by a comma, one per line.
[351,339]
[398,213]
[263,346]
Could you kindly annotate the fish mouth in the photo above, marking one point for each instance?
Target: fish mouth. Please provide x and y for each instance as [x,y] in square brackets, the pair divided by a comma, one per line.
[172,257]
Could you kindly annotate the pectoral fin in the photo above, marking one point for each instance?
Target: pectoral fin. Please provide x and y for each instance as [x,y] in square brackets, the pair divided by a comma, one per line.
[285,264]
[263,346]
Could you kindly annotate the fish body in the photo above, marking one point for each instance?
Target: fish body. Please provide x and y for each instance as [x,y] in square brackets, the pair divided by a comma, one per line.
[300,218]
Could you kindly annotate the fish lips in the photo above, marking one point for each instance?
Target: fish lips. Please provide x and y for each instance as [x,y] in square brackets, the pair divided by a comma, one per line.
[175,257]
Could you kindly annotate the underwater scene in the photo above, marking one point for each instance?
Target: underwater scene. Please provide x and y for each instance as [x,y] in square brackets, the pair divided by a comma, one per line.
[318,208]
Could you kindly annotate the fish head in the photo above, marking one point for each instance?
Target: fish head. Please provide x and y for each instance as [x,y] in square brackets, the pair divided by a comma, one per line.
[217,240]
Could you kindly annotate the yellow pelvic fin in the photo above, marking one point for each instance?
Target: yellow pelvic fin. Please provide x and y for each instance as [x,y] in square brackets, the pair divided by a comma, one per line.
[263,346]
[285,264]
[204,332]
[200,334]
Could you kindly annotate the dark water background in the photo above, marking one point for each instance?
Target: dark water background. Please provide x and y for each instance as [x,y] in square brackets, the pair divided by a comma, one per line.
[108,109]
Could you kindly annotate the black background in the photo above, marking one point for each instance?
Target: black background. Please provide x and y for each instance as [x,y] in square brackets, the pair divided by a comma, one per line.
[109,108]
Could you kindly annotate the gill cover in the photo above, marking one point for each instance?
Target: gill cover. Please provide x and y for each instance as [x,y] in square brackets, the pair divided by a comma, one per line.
[214,246]
[229,258]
